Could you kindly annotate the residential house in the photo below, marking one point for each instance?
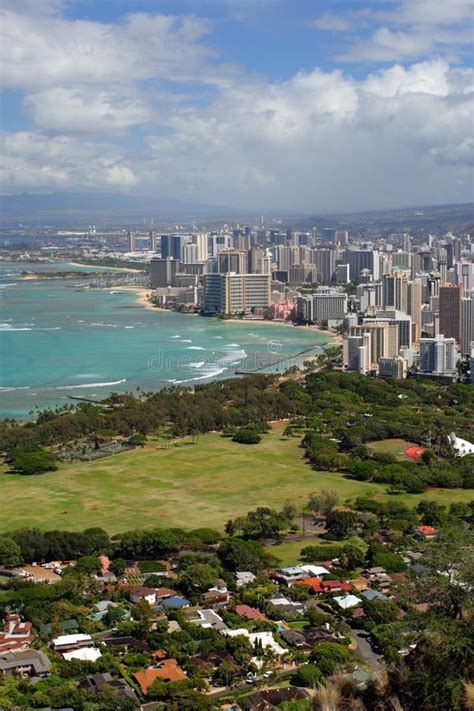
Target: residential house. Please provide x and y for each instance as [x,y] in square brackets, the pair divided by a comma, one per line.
[138,593]
[347,601]
[26,662]
[69,642]
[95,682]
[318,635]
[209,620]
[296,639]
[320,587]
[168,670]
[123,643]
[85,654]
[266,639]
[359,584]
[249,613]
[244,578]
[16,634]
[283,605]
[371,595]
[173,603]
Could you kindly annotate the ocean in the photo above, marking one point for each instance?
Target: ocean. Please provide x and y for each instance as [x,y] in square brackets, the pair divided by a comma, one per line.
[57,342]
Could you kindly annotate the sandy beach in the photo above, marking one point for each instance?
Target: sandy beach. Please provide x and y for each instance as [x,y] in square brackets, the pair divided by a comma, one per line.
[141,295]
[107,268]
[142,299]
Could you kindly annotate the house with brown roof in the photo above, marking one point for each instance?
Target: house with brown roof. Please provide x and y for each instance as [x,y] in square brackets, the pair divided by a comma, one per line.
[168,670]
[16,634]
[138,593]
[249,613]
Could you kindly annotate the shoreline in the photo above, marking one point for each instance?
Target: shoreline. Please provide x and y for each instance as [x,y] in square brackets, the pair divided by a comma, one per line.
[98,266]
[142,299]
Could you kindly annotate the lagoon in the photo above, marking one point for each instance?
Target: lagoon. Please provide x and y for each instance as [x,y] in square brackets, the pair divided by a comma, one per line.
[56,342]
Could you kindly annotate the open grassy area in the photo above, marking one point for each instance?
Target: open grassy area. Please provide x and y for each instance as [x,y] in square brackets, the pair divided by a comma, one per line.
[191,485]
[396,447]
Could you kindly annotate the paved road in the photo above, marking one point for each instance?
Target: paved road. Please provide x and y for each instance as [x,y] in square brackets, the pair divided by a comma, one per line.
[365,650]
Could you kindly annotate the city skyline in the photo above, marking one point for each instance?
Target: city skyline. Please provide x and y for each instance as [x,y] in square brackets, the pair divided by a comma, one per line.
[316,107]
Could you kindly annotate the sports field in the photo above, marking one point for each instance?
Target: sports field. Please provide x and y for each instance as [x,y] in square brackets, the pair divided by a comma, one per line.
[188,485]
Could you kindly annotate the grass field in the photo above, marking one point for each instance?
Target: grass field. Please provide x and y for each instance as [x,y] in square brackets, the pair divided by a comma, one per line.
[392,446]
[191,485]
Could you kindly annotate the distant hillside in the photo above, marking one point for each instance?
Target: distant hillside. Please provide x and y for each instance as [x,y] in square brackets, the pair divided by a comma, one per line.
[105,206]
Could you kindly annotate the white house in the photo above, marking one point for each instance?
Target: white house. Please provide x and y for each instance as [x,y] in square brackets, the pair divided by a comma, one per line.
[461,446]
[67,642]
[347,601]
[265,638]
[85,654]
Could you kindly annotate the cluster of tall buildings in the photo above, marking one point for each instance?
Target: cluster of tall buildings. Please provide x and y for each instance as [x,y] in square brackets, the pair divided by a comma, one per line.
[404,307]
[413,310]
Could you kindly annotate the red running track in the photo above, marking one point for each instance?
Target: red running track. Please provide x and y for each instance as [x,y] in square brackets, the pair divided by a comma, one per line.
[414,453]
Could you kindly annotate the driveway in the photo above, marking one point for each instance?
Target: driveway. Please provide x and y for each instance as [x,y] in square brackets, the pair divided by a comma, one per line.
[365,651]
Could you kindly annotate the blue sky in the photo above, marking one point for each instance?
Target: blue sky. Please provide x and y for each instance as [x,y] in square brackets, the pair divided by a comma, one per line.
[311,106]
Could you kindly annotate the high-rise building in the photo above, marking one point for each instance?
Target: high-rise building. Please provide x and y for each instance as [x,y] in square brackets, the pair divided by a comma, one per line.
[200,241]
[325,264]
[414,305]
[359,259]
[152,243]
[233,260]
[172,246]
[131,241]
[228,293]
[450,310]
[329,305]
[393,368]
[467,323]
[438,355]
[465,275]
[163,272]
[343,274]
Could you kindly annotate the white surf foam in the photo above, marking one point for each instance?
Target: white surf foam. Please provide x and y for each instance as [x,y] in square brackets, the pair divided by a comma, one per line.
[90,385]
[195,348]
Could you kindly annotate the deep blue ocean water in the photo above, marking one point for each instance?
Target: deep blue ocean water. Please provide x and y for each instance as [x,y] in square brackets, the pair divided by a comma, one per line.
[56,342]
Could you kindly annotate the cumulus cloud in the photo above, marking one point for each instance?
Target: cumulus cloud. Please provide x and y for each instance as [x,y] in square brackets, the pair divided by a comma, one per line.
[45,51]
[86,109]
[109,109]
[33,161]
[407,30]
[328,141]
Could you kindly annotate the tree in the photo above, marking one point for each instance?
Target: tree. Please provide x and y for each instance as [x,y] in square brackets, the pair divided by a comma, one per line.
[308,676]
[197,578]
[10,552]
[31,459]
[246,435]
[117,566]
[98,540]
[88,564]
[329,655]
[340,523]
[113,615]
[323,502]
[236,554]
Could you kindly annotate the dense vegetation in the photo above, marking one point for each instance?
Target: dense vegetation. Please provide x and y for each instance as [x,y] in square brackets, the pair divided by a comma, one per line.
[338,413]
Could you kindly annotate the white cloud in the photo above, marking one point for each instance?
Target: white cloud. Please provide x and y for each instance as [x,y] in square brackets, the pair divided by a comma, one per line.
[33,161]
[45,51]
[86,109]
[407,30]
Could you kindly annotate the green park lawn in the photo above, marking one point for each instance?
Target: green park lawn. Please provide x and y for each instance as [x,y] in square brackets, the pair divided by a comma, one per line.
[187,485]
[396,447]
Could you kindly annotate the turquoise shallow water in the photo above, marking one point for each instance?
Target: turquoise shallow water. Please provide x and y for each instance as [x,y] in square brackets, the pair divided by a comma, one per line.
[56,342]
